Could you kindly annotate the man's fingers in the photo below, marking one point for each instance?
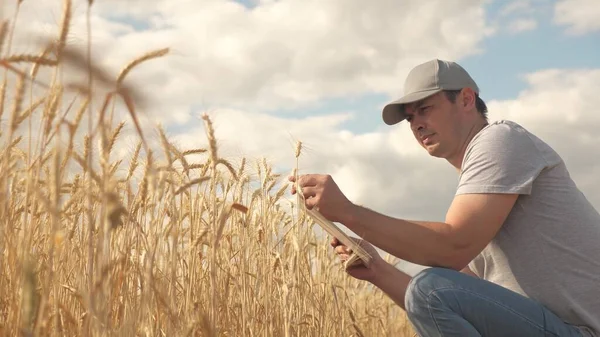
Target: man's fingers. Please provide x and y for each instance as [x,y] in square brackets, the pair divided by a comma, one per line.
[311,203]
[341,249]
[305,180]
[344,257]
[308,192]
[339,246]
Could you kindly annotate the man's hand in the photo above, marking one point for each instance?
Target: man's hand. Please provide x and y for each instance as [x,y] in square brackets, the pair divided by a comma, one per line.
[359,271]
[321,192]
[380,273]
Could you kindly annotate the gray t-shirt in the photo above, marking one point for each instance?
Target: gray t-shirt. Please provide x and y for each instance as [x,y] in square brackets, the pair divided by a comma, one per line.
[549,246]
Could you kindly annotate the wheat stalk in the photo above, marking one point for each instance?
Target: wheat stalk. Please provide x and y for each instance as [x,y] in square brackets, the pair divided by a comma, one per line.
[39,60]
[91,250]
[143,58]
[3,33]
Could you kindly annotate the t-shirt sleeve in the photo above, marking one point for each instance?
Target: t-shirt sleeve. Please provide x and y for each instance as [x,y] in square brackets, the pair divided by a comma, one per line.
[502,159]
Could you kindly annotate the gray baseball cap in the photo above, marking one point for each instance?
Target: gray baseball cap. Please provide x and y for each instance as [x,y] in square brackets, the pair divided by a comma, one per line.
[425,80]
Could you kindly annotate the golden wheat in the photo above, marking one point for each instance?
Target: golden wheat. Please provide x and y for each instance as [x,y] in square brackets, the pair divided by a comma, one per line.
[92,250]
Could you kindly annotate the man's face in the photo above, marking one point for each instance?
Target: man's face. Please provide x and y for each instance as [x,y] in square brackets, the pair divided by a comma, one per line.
[435,123]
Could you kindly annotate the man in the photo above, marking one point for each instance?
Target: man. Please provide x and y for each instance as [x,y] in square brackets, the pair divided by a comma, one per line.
[519,251]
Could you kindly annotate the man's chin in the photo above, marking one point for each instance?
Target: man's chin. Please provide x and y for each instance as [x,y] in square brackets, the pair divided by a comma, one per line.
[434,151]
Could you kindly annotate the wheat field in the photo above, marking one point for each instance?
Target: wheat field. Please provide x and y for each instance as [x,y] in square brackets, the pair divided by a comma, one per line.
[164,242]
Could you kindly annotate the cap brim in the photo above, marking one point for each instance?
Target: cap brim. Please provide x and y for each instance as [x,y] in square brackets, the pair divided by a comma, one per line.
[393,113]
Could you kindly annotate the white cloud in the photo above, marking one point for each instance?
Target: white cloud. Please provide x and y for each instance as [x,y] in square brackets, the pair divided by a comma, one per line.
[279,54]
[580,16]
[520,15]
[245,133]
[516,7]
[522,25]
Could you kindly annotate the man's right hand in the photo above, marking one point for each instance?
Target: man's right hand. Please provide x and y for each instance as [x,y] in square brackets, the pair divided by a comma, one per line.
[383,275]
[359,271]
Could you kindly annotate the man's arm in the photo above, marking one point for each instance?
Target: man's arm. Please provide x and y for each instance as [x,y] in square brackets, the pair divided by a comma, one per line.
[469,272]
[471,223]
[385,276]
[393,282]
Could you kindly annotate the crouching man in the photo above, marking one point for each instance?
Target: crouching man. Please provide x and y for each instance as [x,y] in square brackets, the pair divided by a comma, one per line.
[519,251]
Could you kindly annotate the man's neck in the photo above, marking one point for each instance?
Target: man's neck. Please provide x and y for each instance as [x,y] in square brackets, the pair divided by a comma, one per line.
[473,131]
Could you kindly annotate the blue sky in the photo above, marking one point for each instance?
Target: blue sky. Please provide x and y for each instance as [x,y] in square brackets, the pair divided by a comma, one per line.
[292,70]
[506,55]
[498,69]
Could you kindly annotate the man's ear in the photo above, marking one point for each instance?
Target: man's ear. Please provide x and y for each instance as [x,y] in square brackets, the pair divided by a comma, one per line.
[468,98]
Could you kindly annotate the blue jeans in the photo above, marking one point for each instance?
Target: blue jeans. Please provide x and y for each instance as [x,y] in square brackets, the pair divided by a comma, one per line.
[445,302]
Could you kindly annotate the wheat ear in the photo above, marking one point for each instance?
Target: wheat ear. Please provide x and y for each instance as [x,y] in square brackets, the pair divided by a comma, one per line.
[137,61]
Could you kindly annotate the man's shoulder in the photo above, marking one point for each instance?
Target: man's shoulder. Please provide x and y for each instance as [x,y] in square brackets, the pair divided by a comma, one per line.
[506,136]
[500,134]
[504,128]
[504,158]
[509,134]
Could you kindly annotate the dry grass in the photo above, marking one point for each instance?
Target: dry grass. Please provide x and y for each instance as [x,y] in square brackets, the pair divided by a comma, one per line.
[164,247]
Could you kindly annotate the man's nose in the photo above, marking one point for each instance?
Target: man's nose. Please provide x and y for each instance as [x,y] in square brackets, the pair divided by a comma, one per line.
[417,124]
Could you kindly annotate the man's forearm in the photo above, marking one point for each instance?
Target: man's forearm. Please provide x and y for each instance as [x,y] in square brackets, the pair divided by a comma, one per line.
[392,282]
[425,243]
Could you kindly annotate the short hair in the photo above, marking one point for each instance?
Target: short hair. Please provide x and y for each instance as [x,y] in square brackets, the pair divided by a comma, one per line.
[479,103]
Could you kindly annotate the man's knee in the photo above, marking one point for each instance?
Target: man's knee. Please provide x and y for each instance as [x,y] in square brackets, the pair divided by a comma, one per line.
[422,285]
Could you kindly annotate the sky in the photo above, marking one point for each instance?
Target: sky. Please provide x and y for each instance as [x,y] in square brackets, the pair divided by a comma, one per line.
[273,72]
